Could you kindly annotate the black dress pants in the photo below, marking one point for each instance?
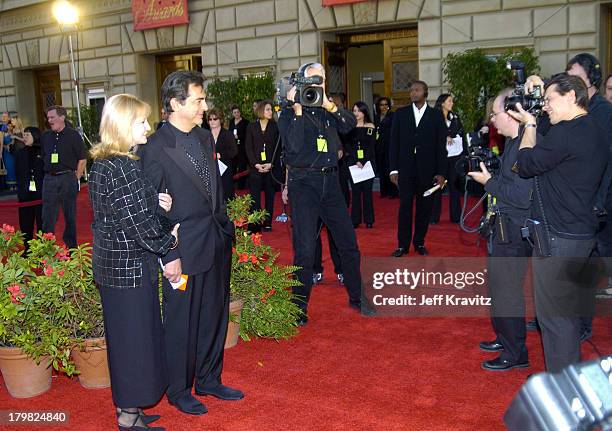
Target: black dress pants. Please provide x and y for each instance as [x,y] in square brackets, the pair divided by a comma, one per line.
[262,182]
[563,291]
[60,190]
[362,208]
[507,267]
[454,193]
[195,325]
[27,217]
[410,189]
[314,194]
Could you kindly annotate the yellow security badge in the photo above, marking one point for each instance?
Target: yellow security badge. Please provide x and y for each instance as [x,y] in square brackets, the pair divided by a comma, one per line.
[360,154]
[263,156]
[54,158]
[32,187]
[321,144]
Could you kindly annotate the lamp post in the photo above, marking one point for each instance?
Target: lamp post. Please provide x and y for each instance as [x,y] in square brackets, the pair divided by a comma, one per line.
[67,17]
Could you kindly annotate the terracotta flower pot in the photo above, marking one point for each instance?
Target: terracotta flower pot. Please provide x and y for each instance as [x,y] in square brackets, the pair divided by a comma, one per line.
[92,362]
[233,328]
[22,376]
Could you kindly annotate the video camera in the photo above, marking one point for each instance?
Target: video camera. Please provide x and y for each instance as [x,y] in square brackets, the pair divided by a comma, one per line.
[307,94]
[531,102]
[477,152]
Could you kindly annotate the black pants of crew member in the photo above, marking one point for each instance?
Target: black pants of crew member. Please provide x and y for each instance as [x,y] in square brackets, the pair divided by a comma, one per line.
[313,194]
[27,217]
[454,193]
[242,165]
[507,267]
[258,183]
[60,190]
[362,208]
[344,177]
[409,190]
[387,188]
[333,251]
[227,182]
[563,292]
[195,325]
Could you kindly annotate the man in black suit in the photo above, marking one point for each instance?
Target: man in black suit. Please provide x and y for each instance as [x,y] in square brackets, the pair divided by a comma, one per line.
[417,159]
[179,160]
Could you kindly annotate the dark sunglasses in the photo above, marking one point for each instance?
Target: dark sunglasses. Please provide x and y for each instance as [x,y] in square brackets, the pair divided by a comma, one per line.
[213,119]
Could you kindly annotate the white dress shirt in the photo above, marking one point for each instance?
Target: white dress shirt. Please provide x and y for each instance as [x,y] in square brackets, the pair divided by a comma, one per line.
[418,114]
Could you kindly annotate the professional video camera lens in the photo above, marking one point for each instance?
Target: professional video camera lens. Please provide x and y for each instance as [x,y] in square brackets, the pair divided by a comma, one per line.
[310,96]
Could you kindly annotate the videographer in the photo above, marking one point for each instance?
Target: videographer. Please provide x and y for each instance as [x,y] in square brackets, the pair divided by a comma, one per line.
[511,195]
[568,164]
[310,147]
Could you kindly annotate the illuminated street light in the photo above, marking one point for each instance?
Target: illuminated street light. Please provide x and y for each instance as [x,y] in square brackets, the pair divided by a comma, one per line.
[65,13]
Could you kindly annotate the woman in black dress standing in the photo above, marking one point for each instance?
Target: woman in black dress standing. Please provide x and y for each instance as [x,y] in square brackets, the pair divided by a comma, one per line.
[30,173]
[225,149]
[129,230]
[261,140]
[383,120]
[361,150]
[237,127]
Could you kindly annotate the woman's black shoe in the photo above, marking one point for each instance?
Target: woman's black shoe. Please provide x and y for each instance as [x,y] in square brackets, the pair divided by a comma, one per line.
[355,225]
[369,225]
[138,424]
[147,419]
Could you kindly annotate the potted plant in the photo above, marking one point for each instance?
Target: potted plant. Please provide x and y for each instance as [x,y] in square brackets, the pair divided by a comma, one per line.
[263,286]
[33,334]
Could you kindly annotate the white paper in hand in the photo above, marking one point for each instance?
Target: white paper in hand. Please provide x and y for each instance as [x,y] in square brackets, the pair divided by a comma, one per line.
[361,174]
[222,167]
[180,285]
[456,147]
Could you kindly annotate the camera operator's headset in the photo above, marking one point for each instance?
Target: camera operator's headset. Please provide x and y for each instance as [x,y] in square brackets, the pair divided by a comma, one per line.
[591,66]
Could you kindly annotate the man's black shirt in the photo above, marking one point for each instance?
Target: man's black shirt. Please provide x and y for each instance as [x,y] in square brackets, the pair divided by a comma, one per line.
[512,193]
[569,162]
[69,147]
[300,133]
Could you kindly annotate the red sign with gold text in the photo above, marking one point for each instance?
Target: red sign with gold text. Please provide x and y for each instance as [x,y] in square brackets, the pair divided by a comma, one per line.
[327,3]
[159,13]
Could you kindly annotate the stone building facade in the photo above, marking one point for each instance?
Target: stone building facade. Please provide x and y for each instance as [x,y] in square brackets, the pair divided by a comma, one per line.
[234,36]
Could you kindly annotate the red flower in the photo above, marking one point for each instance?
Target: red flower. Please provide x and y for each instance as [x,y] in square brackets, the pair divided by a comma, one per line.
[16,293]
[253,258]
[234,250]
[243,257]
[48,271]
[256,238]
[44,261]
[60,273]
[62,254]
[268,269]
[265,296]
[49,236]
[240,222]
[7,228]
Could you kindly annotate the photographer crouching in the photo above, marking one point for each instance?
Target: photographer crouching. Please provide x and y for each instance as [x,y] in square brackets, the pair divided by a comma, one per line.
[309,127]
[510,195]
[567,165]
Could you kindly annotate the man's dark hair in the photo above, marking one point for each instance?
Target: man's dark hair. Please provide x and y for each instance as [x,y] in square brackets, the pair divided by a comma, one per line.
[422,84]
[339,96]
[235,107]
[566,83]
[61,111]
[35,132]
[176,86]
[386,99]
[363,108]
[591,66]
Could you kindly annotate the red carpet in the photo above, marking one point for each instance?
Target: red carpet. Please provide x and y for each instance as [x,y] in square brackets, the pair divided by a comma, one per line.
[343,371]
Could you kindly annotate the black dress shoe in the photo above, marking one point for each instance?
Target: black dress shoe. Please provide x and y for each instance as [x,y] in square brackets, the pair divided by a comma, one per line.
[491,346]
[399,252]
[499,364]
[433,222]
[267,228]
[369,225]
[147,419]
[222,392]
[356,225]
[532,325]
[420,249]
[302,320]
[189,404]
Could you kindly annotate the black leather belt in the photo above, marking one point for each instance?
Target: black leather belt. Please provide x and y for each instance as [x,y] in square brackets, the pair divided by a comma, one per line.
[58,173]
[323,170]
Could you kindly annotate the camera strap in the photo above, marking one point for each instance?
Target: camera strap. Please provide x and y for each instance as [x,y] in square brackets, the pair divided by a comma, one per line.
[536,181]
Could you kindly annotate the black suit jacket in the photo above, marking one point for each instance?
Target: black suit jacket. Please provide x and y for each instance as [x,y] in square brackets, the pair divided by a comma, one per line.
[429,140]
[201,215]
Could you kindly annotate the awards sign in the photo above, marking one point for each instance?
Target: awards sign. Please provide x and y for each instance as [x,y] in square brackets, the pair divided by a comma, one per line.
[159,13]
[327,3]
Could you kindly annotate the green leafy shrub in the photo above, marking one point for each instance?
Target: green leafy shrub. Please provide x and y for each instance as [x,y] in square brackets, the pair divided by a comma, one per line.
[240,91]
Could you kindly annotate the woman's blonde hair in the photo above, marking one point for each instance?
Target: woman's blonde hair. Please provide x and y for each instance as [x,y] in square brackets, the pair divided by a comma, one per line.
[118,117]
[17,123]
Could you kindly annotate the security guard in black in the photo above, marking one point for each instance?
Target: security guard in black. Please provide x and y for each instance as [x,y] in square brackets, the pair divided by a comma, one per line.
[61,151]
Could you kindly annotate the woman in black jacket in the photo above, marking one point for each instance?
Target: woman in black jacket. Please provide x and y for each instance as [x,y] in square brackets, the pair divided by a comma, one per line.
[237,127]
[383,120]
[361,150]
[261,140]
[455,146]
[30,173]
[225,150]
[129,229]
